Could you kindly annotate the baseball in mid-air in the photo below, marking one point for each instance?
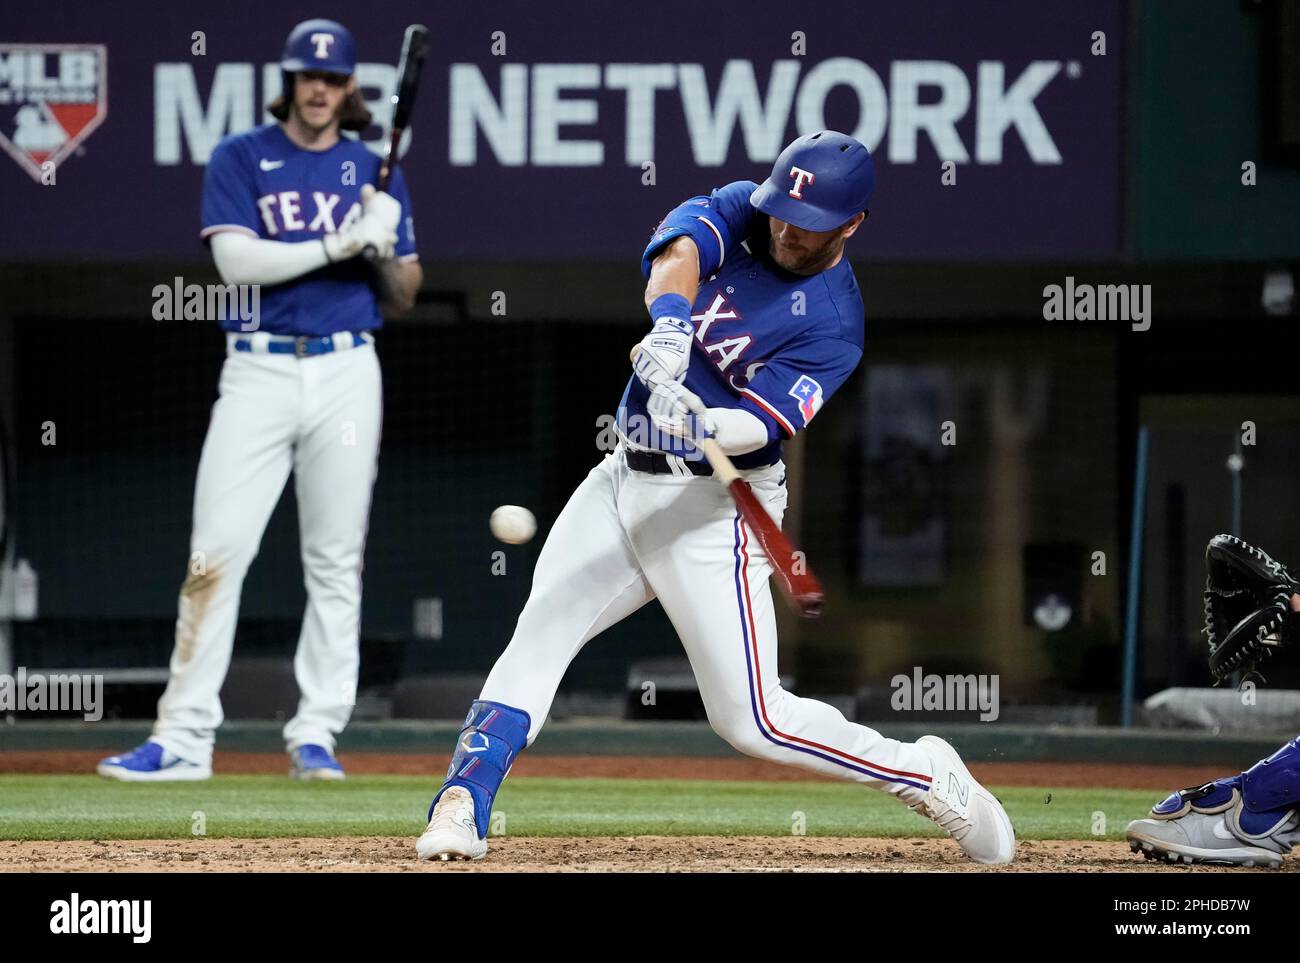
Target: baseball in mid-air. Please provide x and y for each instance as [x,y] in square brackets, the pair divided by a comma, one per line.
[513,524]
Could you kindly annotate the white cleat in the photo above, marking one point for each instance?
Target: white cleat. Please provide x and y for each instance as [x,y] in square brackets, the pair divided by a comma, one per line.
[963,808]
[452,832]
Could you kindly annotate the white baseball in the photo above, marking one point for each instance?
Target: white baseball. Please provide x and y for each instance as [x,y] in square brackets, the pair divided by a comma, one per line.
[513,524]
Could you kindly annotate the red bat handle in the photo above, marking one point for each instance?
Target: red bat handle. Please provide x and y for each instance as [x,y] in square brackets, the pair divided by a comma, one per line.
[794,577]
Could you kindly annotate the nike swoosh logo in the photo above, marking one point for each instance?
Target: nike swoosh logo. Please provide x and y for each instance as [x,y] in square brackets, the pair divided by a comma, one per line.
[268,165]
[1222,831]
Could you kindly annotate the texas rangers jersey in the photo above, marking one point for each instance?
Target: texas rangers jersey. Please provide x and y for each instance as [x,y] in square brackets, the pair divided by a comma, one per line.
[262,184]
[770,342]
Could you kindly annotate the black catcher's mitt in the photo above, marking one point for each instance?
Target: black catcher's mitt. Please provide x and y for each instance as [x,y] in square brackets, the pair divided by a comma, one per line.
[1248,613]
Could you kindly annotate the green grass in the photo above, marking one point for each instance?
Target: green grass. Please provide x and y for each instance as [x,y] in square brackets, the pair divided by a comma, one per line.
[87,807]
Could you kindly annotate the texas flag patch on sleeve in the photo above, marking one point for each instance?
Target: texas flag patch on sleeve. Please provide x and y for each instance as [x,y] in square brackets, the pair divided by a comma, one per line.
[808,393]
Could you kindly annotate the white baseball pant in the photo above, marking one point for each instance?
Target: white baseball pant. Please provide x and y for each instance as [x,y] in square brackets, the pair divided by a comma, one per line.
[319,417]
[626,537]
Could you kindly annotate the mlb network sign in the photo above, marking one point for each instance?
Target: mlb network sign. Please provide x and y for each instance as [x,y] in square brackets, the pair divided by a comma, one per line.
[522,115]
[997,128]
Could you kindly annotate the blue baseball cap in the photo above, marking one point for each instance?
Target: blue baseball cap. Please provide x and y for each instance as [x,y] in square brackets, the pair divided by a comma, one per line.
[820,181]
[323,45]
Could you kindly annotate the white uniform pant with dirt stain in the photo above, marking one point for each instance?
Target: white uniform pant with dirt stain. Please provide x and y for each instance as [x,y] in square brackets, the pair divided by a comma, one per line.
[320,418]
[626,537]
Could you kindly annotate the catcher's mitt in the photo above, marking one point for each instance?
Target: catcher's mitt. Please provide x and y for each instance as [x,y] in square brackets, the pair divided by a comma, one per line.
[1248,613]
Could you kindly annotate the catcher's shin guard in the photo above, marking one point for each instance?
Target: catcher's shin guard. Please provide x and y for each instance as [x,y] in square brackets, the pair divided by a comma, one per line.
[494,734]
[1267,789]
[1251,819]
[1273,783]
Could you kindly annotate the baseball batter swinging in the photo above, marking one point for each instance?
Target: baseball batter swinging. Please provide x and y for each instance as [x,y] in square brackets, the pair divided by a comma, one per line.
[757,320]
[289,206]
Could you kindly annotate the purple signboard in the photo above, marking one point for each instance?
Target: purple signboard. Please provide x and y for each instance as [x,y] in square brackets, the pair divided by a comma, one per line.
[561,130]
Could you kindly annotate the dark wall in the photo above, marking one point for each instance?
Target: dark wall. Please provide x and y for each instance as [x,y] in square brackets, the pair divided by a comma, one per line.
[476,415]
[484,413]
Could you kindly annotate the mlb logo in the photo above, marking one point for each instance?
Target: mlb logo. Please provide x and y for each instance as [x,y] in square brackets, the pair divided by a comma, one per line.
[52,97]
[808,393]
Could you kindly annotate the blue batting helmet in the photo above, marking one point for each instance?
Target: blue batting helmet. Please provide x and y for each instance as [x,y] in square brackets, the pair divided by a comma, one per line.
[319,45]
[820,181]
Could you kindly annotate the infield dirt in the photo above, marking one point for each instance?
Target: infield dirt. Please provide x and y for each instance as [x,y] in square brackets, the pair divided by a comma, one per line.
[550,855]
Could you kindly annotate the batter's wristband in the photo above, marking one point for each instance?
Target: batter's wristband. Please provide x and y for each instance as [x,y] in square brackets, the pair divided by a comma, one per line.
[673,306]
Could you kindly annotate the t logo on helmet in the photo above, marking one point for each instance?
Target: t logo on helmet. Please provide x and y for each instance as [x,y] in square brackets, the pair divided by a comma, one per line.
[801,177]
[322,42]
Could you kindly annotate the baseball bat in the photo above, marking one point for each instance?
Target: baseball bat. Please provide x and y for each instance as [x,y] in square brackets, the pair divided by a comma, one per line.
[415,47]
[796,580]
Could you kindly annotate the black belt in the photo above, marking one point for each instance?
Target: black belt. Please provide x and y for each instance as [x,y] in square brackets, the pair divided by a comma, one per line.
[653,463]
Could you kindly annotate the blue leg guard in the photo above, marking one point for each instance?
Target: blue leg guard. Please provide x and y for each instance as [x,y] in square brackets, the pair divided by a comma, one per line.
[1271,788]
[493,735]
[1269,791]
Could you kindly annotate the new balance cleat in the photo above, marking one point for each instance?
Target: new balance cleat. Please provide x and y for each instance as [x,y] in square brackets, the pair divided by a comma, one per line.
[963,808]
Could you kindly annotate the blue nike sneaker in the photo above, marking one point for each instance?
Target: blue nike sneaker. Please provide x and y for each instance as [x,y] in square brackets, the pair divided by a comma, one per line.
[314,762]
[152,763]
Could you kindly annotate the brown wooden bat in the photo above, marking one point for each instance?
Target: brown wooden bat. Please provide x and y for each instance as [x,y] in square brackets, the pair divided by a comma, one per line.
[415,47]
[796,580]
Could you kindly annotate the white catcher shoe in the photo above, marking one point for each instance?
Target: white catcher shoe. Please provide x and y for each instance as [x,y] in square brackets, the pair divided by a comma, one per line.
[963,808]
[452,832]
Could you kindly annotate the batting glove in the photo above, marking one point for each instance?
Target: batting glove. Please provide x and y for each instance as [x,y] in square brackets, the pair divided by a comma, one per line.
[665,353]
[383,205]
[677,411]
[367,230]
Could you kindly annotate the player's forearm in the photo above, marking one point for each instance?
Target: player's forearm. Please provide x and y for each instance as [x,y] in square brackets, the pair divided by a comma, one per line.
[241,259]
[399,283]
[675,271]
[738,432]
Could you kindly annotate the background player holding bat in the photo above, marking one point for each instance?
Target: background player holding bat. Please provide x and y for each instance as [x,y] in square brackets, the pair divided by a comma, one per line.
[757,321]
[289,206]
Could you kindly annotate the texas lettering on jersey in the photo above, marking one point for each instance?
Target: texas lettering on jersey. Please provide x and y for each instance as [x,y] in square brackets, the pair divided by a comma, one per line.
[288,211]
[725,348]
